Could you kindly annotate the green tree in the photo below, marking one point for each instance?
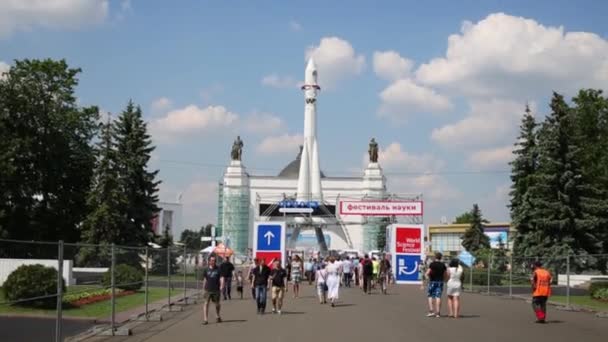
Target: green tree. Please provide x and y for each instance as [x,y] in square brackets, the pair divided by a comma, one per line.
[159,258]
[590,117]
[474,239]
[566,205]
[107,203]
[466,217]
[523,168]
[133,149]
[46,152]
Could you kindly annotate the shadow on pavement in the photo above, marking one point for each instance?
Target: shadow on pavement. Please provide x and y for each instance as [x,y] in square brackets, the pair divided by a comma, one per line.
[292,313]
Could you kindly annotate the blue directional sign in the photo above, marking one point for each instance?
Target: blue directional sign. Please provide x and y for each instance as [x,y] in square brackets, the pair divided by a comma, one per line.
[407,267]
[269,237]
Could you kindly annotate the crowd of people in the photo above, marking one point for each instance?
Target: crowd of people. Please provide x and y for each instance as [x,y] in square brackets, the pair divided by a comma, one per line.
[332,273]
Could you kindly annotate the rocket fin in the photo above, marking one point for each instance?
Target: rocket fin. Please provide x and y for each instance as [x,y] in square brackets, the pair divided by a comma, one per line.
[303,193]
[315,173]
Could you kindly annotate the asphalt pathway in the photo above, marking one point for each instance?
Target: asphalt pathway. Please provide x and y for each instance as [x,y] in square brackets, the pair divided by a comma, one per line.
[399,316]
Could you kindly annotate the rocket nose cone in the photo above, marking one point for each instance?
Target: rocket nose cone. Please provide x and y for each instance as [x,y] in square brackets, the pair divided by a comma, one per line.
[310,75]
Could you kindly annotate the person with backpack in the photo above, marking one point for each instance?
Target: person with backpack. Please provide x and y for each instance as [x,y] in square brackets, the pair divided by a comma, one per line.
[368,273]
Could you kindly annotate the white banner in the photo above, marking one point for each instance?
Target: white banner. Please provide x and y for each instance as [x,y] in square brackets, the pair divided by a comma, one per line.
[381,208]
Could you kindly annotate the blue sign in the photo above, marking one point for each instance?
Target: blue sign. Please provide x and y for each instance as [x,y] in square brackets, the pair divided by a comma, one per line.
[269,237]
[407,267]
[298,204]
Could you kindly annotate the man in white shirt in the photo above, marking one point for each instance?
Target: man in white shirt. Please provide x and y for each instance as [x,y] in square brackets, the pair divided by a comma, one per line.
[347,271]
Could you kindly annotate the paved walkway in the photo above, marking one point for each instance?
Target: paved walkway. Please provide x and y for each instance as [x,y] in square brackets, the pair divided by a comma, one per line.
[399,316]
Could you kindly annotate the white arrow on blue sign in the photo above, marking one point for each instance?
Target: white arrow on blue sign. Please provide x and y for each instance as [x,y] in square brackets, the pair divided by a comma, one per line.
[269,237]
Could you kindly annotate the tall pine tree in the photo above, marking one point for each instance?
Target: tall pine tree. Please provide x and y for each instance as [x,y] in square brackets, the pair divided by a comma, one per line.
[133,148]
[474,239]
[106,203]
[563,201]
[523,168]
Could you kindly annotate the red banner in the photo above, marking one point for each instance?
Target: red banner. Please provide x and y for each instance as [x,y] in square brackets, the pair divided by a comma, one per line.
[409,240]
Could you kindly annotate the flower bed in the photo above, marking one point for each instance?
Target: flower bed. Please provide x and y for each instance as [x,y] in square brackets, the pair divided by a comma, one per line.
[85,298]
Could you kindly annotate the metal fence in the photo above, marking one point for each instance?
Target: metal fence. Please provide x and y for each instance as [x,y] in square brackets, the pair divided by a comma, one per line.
[505,274]
[108,284]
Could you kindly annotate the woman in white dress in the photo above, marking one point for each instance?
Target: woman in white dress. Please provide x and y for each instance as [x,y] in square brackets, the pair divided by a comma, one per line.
[454,287]
[333,281]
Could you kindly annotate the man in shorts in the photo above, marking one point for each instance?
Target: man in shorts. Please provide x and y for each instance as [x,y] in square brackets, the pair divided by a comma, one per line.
[436,276]
[278,278]
[213,283]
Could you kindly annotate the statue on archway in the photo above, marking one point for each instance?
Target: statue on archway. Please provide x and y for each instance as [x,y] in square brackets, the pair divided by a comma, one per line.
[373,151]
[237,149]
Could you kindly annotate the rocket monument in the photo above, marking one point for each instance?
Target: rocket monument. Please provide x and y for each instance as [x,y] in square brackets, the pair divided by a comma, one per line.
[309,180]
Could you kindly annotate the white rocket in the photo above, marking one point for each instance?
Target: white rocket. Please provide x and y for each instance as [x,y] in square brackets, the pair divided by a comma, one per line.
[309,181]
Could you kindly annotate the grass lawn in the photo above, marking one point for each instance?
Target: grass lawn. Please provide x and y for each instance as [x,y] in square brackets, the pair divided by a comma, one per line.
[95,310]
[583,301]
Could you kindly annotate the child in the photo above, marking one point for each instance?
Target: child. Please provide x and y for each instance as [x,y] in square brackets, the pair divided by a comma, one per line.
[239,283]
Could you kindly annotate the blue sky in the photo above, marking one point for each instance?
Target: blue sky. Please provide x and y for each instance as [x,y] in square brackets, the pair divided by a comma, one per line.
[442,87]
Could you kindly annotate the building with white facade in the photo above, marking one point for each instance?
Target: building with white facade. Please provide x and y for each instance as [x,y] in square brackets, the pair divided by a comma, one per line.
[245,198]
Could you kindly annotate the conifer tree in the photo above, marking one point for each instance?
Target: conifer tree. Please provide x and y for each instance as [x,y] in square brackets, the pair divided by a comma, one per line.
[474,239]
[133,151]
[106,203]
[564,203]
[523,168]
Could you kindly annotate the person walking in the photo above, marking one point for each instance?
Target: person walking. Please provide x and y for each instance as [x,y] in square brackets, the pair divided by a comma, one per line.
[261,274]
[436,275]
[333,281]
[297,268]
[321,279]
[368,272]
[309,270]
[384,274]
[355,266]
[347,266]
[226,271]
[250,270]
[213,283]
[541,291]
[278,278]
[376,271]
[455,272]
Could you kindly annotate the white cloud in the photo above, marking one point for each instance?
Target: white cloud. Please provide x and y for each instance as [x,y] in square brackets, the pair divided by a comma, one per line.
[515,57]
[393,157]
[3,68]
[336,60]
[161,104]
[280,144]
[434,188]
[198,198]
[488,122]
[389,65]
[277,81]
[404,96]
[25,15]
[295,26]
[492,158]
[191,119]
[263,123]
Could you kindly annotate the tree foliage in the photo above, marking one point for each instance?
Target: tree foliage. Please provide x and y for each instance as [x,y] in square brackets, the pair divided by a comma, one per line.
[559,203]
[46,156]
[474,239]
[133,148]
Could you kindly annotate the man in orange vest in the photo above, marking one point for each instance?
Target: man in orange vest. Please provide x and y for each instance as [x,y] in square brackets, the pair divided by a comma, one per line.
[541,290]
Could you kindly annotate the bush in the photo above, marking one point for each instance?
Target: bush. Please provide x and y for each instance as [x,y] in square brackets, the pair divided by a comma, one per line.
[480,277]
[30,281]
[596,286]
[126,278]
[601,294]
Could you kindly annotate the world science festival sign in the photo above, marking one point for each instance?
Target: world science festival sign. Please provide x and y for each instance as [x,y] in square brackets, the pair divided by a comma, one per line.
[407,249]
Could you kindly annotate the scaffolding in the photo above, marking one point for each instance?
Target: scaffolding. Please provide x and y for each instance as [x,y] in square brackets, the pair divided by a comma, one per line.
[233,217]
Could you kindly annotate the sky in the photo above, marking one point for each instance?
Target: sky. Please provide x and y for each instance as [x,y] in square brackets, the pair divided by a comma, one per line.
[442,86]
